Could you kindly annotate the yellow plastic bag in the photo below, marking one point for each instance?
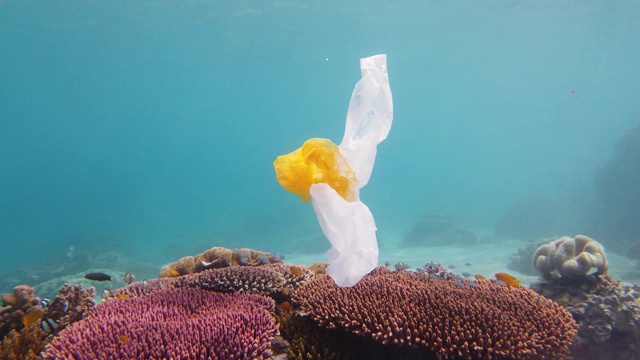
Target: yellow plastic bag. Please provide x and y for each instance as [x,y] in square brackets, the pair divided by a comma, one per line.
[317,161]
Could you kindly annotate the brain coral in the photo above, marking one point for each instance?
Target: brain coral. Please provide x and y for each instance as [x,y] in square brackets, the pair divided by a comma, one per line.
[172,324]
[570,257]
[485,320]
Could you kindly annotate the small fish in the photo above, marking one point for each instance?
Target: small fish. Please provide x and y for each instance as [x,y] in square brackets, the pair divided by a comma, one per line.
[424,275]
[468,264]
[572,91]
[459,277]
[295,270]
[243,260]
[98,277]
[540,300]
[49,325]
[479,277]
[129,278]
[452,266]
[400,266]
[65,306]
[106,294]
[435,277]
[123,339]
[458,284]
[472,283]
[174,273]
[508,279]
[45,302]
[466,274]
[31,317]
[386,264]
[145,285]
[286,306]
[122,296]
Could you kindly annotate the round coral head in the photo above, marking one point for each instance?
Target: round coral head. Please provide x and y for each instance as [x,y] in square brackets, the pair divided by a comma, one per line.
[317,161]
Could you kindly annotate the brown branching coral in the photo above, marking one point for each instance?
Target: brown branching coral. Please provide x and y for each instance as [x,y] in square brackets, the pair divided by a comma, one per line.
[24,345]
[15,306]
[219,257]
[308,341]
[71,304]
[485,320]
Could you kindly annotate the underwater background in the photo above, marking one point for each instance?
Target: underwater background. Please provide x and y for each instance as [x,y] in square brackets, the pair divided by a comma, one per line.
[141,132]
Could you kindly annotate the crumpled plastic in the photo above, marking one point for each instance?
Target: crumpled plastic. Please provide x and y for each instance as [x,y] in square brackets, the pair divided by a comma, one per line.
[325,174]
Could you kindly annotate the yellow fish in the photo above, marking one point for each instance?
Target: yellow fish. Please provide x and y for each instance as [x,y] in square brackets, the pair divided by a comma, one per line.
[295,270]
[508,279]
[174,273]
[31,317]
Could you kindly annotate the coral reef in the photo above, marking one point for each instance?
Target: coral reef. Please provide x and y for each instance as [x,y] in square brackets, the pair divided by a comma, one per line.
[24,345]
[438,230]
[219,257]
[436,270]
[607,311]
[308,341]
[485,320]
[172,323]
[71,304]
[15,306]
[522,260]
[570,257]
[20,342]
[274,280]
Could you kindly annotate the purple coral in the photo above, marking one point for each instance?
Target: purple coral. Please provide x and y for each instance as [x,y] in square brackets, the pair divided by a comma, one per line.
[184,323]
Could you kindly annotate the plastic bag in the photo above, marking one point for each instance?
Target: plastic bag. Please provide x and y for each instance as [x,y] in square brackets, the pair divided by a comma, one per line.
[320,173]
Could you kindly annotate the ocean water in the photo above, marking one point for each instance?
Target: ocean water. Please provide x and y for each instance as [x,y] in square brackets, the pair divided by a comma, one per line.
[147,130]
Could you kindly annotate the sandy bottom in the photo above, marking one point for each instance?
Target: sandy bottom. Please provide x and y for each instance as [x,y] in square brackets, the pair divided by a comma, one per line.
[485,259]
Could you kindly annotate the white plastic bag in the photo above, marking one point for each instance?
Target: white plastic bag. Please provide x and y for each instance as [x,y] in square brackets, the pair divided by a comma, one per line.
[349,226]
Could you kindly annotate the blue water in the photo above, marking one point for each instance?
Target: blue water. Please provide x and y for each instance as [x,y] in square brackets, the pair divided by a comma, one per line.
[149,128]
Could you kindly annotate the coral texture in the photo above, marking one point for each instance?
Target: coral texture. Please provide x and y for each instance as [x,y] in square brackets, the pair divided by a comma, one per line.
[15,306]
[570,257]
[219,257]
[172,323]
[274,280]
[436,270]
[71,304]
[24,345]
[485,320]
[607,311]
